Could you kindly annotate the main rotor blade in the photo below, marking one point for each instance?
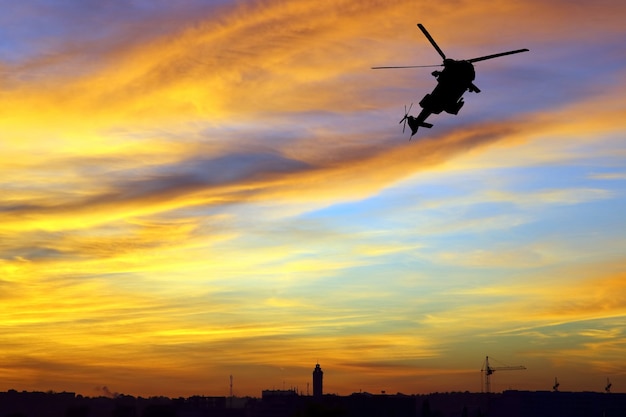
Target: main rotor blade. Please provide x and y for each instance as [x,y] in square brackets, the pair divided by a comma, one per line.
[482,58]
[410,66]
[432,41]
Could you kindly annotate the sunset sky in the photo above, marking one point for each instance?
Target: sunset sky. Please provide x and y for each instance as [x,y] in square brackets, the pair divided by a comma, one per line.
[194,189]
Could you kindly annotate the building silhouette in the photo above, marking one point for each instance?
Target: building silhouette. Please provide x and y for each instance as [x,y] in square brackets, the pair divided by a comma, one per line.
[288,403]
[318,375]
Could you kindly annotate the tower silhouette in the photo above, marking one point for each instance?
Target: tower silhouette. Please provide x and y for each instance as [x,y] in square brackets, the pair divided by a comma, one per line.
[318,375]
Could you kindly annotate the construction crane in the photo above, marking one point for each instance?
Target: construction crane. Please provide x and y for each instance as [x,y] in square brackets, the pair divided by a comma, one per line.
[487,370]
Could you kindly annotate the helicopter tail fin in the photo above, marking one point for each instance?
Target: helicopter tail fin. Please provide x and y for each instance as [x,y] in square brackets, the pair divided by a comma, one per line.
[415,124]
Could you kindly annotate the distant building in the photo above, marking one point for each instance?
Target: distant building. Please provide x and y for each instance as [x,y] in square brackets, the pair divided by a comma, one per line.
[270,394]
[318,375]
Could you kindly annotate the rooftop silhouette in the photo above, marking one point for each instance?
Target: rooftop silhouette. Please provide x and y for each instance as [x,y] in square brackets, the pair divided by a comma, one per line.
[285,403]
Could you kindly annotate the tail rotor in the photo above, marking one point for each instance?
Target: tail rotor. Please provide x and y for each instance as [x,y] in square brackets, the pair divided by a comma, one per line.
[406,115]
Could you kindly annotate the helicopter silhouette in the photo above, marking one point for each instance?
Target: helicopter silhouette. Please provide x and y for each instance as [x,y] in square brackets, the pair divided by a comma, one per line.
[453,81]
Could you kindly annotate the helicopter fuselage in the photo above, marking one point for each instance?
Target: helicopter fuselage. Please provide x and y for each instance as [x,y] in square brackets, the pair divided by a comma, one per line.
[452,82]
